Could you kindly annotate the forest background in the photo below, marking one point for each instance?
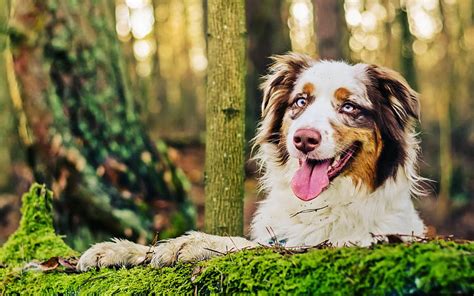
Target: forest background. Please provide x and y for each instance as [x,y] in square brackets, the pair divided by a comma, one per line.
[115,140]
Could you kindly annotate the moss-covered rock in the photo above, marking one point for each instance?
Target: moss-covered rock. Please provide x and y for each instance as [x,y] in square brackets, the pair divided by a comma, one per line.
[436,267]
[35,238]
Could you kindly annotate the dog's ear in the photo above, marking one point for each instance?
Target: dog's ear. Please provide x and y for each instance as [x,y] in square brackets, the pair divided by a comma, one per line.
[396,102]
[277,86]
[279,81]
[396,108]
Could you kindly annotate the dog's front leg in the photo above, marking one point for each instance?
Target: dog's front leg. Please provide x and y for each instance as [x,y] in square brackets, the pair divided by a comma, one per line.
[197,246]
[194,246]
[115,253]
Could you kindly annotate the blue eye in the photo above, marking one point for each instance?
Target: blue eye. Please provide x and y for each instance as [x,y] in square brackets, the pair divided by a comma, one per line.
[348,108]
[301,102]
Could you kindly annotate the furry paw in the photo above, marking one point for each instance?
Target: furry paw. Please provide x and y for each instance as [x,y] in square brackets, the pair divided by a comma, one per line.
[196,246]
[115,253]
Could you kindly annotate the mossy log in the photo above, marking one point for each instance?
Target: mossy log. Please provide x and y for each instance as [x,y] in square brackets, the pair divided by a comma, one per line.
[436,267]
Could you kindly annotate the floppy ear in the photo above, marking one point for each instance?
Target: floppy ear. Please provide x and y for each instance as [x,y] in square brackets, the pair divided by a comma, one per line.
[396,100]
[279,81]
[277,86]
[396,108]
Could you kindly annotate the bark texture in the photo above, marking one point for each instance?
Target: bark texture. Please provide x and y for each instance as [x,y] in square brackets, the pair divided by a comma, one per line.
[225,111]
[84,138]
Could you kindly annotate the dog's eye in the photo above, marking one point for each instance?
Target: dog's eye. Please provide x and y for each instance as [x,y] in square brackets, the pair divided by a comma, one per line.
[348,108]
[300,102]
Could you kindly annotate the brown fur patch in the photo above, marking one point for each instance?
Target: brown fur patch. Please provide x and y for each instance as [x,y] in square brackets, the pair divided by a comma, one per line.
[363,168]
[309,88]
[341,94]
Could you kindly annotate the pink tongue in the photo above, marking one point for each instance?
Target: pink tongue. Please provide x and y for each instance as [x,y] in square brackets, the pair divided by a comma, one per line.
[310,180]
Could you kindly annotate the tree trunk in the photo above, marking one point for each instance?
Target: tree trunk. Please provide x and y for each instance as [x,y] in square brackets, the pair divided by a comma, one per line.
[225,111]
[87,141]
[407,57]
[451,32]
[331,29]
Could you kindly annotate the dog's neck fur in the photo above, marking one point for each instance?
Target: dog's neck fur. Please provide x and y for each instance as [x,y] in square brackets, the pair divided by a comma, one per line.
[346,213]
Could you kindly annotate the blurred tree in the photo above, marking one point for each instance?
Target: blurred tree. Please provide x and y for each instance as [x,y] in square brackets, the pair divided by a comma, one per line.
[407,58]
[451,31]
[225,116]
[5,110]
[86,141]
[331,30]
[179,71]
[268,34]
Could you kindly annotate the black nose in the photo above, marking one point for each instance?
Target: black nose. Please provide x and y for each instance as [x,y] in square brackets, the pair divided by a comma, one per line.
[306,139]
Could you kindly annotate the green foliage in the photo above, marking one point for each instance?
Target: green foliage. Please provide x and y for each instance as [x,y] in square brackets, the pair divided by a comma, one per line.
[436,267]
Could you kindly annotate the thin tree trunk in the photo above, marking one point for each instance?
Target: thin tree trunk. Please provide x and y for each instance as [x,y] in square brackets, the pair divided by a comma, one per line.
[451,31]
[225,111]
[5,110]
[330,29]
[407,57]
[88,144]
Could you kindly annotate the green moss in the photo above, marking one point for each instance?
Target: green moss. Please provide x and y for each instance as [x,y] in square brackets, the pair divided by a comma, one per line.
[436,267]
[423,268]
[35,238]
[138,280]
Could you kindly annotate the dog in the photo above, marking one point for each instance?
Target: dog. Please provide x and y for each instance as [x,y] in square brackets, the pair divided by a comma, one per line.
[337,148]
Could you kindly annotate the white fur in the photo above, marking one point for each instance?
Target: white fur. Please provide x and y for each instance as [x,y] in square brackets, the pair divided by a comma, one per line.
[349,214]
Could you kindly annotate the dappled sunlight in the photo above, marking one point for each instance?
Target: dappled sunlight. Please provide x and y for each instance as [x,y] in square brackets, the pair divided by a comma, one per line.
[301,26]
[366,24]
[134,22]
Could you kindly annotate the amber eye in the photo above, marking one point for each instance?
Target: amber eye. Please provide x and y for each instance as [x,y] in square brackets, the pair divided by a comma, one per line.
[301,102]
[348,108]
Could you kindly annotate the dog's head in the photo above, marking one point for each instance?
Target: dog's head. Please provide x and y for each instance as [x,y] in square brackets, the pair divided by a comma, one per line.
[336,119]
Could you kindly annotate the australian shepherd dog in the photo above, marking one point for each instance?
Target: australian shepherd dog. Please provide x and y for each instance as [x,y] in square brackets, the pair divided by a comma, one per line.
[337,148]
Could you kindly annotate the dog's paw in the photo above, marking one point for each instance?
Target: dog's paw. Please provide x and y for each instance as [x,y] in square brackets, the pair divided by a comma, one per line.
[196,246]
[114,253]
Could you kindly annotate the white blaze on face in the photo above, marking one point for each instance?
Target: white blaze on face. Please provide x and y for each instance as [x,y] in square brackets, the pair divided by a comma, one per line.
[316,116]
[321,113]
[326,77]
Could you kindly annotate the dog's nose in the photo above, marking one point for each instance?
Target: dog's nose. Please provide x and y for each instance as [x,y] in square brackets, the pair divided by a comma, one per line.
[306,139]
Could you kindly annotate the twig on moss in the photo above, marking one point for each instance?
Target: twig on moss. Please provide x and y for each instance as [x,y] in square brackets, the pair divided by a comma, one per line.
[215,251]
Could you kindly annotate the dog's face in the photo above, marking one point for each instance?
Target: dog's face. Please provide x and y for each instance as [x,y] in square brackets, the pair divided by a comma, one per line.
[335,120]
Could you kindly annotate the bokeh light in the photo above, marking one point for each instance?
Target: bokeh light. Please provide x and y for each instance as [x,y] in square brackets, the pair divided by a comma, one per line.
[301,26]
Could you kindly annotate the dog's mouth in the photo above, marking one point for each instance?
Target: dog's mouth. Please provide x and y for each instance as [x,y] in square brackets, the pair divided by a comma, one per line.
[314,175]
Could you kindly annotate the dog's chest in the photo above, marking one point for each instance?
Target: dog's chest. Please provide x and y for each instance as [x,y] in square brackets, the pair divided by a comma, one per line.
[337,216]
